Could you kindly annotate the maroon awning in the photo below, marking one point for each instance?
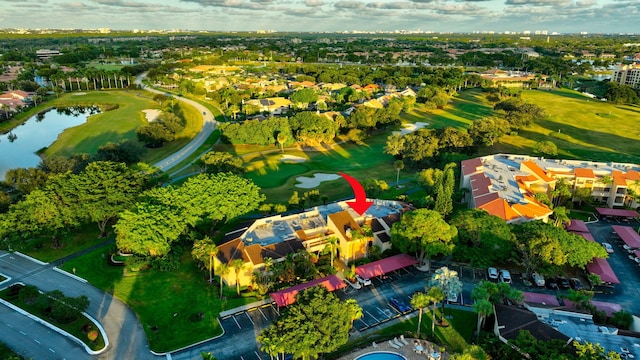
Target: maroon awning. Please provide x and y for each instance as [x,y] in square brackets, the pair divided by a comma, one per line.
[602,268]
[384,266]
[577,226]
[586,235]
[628,235]
[607,307]
[288,296]
[636,253]
[544,299]
[617,212]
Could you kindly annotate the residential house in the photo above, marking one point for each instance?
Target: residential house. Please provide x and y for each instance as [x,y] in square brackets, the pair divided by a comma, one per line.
[273,106]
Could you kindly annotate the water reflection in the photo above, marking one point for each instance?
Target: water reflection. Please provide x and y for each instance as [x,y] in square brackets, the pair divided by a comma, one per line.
[18,147]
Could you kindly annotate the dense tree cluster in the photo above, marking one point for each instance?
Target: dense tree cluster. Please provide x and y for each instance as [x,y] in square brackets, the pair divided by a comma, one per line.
[165,214]
[257,132]
[426,146]
[161,130]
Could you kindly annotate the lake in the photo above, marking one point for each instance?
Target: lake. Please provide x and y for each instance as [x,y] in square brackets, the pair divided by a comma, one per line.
[18,148]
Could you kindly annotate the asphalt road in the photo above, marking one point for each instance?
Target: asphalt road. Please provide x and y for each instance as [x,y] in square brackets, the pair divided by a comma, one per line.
[208,126]
[126,337]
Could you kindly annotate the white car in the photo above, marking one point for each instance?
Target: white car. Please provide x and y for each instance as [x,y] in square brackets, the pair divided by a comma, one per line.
[492,273]
[504,276]
[365,282]
[608,247]
[537,279]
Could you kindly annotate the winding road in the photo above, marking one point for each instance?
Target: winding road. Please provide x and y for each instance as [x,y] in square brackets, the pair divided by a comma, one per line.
[127,339]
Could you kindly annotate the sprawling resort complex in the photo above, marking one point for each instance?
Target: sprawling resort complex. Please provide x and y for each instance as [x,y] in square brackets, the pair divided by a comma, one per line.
[369,195]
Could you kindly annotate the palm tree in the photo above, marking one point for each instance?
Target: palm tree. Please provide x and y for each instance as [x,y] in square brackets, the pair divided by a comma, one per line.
[354,310]
[205,248]
[398,165]
[207,356]
[435,295]
[237,265]
[484,308]
[222,270]
[281,138]
[561,215]
[333,241]
[420,301]
[5,107]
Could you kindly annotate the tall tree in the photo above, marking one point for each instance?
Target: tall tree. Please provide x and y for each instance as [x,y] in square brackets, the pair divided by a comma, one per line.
[318,322]
[222,270]
[435,295]
[205,250]
[237,265]
[425,233]
[447,280]
[420,301]
[398,165]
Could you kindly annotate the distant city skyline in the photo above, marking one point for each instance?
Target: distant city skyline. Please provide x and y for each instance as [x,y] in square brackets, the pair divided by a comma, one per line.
[561,16]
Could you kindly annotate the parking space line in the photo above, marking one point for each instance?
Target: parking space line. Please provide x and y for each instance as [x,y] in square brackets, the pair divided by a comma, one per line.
[258,355]
[36,340]
[50,349]
[9,325]
[370,314]
[23,333]
[250,319]
[263,315]
[236,320]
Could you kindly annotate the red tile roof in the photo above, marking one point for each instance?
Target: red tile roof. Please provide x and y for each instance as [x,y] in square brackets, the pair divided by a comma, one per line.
[618,178]
[471,166]
[585,173]
[501,209]
[537,170]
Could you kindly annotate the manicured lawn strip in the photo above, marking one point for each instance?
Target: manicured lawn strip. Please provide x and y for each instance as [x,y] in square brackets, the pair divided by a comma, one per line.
[468,106]
[74,328]
[2,278]
[455,337]
[156,296]
[191,159]
[192,127]
[114,125]
[82,238]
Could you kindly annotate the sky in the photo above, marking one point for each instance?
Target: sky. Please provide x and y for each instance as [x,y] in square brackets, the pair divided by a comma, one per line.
[562,16]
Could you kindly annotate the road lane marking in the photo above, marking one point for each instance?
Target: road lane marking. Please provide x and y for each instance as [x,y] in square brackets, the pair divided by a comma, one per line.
[36,340]
[50,349]
[9,325]
[23,333]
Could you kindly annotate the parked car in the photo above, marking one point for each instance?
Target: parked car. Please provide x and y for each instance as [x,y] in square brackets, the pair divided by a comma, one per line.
[608,247]
[576,284]
[552,284]
[504,276]
[492,273]
[399,305]
[537,279]
[563,283]
[452,297]
[365,282]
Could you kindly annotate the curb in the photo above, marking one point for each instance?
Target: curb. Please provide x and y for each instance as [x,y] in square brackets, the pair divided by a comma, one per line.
[30,258]
[63,272]
[8,279]
[168,353]
[60,331]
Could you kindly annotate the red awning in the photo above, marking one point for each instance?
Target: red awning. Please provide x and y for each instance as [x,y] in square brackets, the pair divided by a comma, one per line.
[577,226]
[617,212]
[586,235]
[384,266]
[536,298]
[288,296]
[628,235]
[602,268]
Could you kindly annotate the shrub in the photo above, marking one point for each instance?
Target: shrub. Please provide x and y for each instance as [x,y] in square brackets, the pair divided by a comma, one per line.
[621,319]
[29,294]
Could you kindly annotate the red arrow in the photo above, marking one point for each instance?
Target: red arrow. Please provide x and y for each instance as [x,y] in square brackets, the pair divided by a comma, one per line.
[361,204]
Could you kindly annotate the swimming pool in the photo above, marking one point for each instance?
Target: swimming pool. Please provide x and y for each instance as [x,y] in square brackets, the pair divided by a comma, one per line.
[381,355]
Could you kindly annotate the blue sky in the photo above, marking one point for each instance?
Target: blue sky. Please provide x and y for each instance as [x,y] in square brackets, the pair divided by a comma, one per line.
[593,16]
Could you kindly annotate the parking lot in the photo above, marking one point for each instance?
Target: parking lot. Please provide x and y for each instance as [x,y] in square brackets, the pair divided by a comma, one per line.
[258,317]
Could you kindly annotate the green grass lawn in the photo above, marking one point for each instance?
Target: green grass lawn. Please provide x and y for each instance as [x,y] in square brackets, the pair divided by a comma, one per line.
[468,106]
[278,179]
[8,354]
[119,124]
[582,128]
[165,302]
[81,238]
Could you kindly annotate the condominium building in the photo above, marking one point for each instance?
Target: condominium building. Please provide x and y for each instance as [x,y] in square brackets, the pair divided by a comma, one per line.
[506,185]
[627,75]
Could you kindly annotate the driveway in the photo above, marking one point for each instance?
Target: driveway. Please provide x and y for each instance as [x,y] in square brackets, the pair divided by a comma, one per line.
[126,337]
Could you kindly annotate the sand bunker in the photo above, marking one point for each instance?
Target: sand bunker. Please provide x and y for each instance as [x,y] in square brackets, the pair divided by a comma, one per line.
[151,114]
[292,159]
[311,182]
[79,93]
[409,128]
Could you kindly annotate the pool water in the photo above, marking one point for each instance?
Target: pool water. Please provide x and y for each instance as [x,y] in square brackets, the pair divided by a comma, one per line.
[381,355]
